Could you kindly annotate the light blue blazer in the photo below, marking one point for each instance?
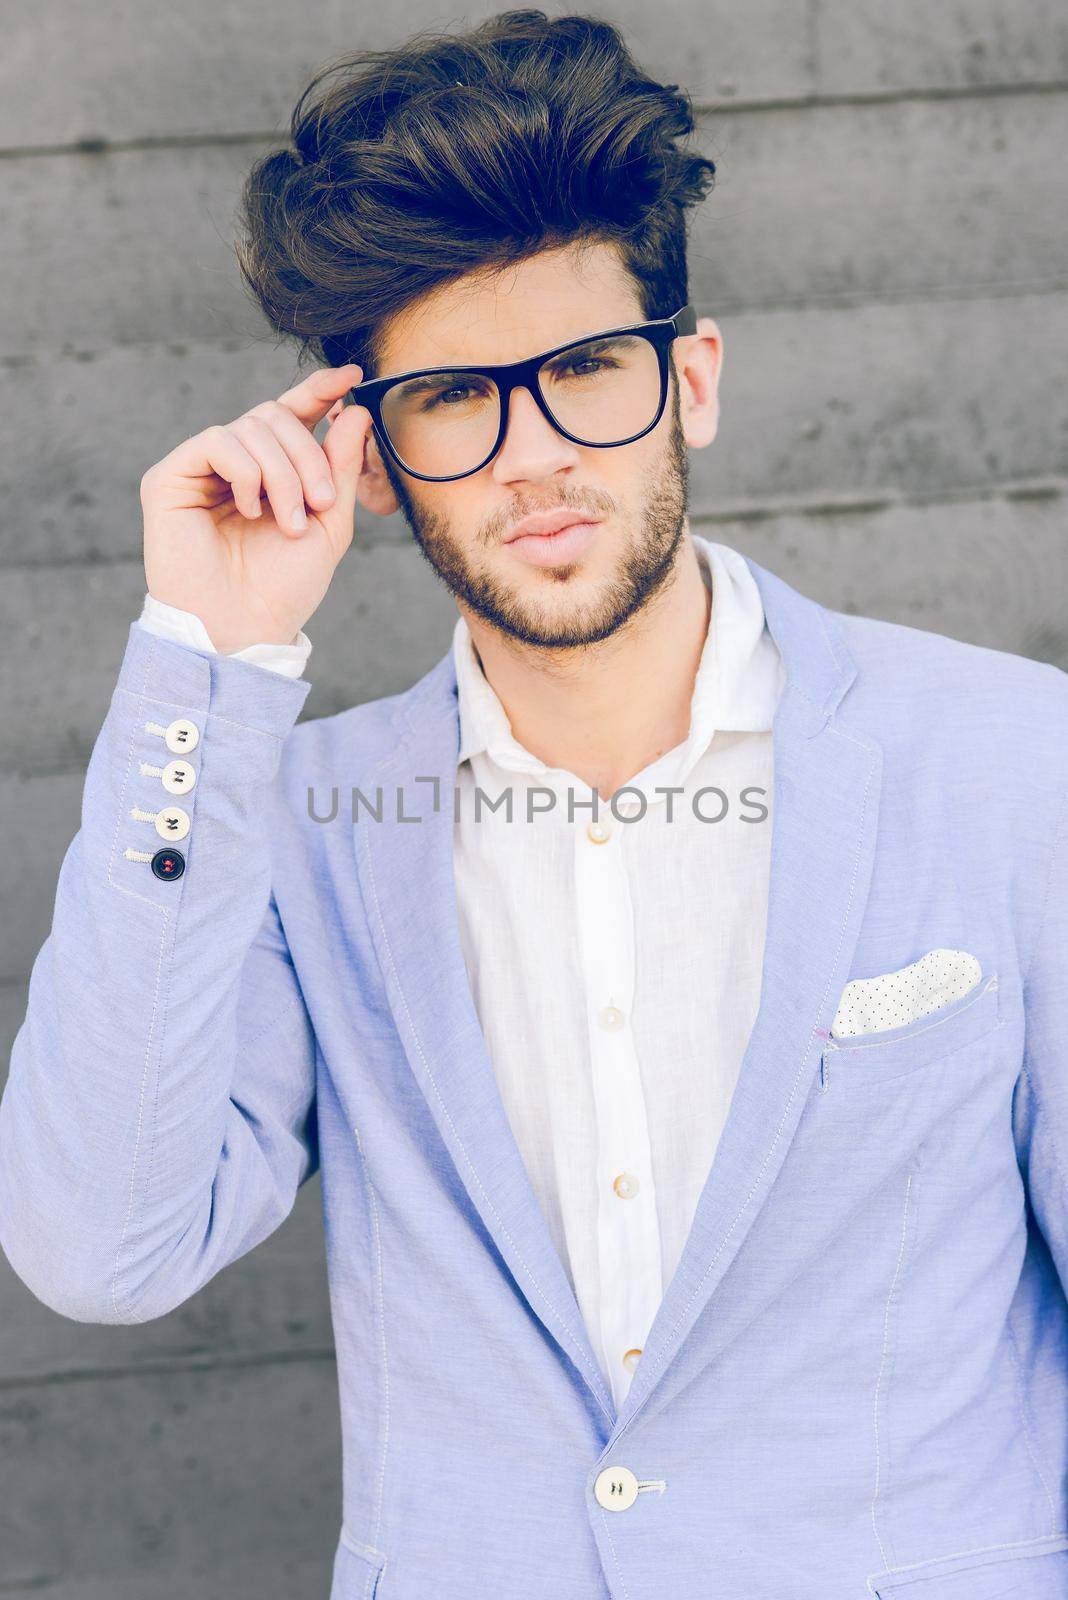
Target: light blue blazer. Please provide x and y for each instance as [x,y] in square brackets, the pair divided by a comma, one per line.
[857,1382]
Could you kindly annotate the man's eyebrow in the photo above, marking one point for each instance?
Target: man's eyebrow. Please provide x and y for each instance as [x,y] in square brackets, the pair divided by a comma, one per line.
[423,379]
[601,339]
[420,383]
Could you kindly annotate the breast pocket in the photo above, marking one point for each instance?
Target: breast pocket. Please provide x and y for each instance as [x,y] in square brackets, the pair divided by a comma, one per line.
[872,1058]
[1030,1569]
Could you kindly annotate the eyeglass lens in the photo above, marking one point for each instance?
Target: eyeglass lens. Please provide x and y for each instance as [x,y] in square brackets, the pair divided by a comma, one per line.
[603,392]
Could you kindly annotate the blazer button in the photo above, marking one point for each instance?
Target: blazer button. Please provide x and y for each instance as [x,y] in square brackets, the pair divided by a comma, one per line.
[168,863]
[616,1488]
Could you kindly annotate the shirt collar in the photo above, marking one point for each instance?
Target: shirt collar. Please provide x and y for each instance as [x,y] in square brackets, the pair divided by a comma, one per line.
[737,685]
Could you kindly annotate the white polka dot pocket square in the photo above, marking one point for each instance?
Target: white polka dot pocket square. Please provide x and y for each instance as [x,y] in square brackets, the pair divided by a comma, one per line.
[893,999]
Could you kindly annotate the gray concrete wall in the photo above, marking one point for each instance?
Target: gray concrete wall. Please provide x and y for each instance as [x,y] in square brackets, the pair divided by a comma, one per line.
[885,253]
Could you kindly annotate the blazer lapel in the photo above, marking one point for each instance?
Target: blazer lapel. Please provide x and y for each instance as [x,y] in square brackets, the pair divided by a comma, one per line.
[824,809]
[405,867]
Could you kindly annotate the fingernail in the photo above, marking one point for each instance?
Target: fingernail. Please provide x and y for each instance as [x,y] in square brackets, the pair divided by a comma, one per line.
[298,519]
[324,490]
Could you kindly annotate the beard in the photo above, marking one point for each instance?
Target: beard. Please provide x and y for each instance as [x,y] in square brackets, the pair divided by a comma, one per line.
[648,559]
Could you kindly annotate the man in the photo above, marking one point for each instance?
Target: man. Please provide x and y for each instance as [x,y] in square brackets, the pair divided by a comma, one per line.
[691,1112]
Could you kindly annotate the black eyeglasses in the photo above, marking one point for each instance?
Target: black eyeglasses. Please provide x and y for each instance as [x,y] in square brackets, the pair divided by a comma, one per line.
[605,389]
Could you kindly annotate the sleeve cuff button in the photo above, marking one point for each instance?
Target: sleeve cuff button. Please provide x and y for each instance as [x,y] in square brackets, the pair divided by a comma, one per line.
[182,736]
[168,863]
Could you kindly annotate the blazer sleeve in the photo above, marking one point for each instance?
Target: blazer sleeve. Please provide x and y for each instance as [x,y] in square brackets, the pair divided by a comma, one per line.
[158,1115]
[1041,1097]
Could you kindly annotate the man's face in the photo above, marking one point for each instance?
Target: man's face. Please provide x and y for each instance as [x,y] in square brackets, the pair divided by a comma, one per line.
[636,493]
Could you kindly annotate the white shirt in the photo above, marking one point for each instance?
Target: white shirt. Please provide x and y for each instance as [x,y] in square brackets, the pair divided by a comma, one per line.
[616,974]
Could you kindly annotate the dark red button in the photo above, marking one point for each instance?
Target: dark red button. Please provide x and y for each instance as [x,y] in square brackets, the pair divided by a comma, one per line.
[168,863]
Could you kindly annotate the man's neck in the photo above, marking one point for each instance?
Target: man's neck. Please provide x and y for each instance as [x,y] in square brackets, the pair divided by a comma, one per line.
[604,712]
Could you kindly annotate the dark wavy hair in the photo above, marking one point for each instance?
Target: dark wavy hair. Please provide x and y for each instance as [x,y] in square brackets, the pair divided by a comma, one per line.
[457,153]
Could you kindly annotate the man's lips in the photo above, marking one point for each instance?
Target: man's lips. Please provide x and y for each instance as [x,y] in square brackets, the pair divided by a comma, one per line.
[540,523]
[562,547]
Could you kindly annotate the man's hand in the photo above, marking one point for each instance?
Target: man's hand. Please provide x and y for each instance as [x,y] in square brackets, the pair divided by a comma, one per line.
[219,534]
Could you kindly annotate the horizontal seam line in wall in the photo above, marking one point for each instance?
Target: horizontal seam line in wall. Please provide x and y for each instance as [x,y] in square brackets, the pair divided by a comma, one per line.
[833,300]
[1040,488]
[93,145]
[179,1363]
[863,299]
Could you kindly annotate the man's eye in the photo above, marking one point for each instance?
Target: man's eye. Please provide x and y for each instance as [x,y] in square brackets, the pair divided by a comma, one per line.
[456,394]
[591,366]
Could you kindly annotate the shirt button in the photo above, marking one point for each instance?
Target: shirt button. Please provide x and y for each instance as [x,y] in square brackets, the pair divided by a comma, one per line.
[616,1488]
[610,1017]
[626,1185]
[172,822]
[178,777]
[182,736]
[168,863]
[597,832]
[631,1359]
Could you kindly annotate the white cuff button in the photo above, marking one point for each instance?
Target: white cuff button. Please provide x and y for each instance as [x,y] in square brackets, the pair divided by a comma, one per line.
[182,736]
[178,777]
[172,822]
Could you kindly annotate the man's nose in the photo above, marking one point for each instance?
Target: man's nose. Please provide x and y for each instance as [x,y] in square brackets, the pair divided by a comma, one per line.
[532,447]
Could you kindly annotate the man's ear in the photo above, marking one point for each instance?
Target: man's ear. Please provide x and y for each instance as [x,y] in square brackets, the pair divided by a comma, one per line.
[373,488]
[698,362]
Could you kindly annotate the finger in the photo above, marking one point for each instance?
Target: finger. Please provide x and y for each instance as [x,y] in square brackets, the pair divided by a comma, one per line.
[312,399]
[281,480]
[213,451]
[303,449]
[344,445]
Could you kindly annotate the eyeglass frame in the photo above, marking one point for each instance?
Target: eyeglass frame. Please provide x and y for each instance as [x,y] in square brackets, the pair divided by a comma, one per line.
[508,375]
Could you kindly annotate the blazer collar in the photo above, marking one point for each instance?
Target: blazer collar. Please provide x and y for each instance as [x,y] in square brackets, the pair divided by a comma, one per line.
[824,810]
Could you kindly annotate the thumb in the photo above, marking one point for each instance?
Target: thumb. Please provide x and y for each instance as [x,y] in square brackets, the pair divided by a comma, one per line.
[344,446]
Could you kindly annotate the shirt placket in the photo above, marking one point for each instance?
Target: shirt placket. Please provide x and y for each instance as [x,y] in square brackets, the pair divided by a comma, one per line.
[628,1234]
